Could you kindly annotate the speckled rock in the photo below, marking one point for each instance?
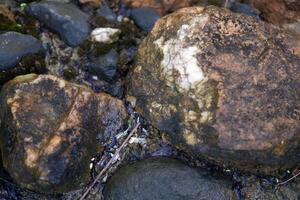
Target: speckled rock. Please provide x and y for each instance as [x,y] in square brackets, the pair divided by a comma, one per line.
[65,19]
[50,129]
[165,179]
[224,86]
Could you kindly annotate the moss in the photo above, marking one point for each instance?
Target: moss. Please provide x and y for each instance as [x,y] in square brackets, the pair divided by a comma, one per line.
[94,48]
[29,64]
[69,73]
[8,25]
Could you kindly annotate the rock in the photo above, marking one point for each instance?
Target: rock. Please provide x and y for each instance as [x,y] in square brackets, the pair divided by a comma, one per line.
[165,178]
[144,18]
[65,19]
[105,35]
[245,9]
[105,66]
[160,6]
[93,3]
[14,46]
[106,12]
[224,86]
[50,129]
[278,11]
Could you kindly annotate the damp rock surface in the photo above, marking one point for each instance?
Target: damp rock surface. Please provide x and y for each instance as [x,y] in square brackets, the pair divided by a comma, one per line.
[50,129]
[224,86]
[65,19]
[14,46]
[165,179]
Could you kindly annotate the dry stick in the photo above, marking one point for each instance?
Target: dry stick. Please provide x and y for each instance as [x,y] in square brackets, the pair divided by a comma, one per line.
[284,182]
[110,162]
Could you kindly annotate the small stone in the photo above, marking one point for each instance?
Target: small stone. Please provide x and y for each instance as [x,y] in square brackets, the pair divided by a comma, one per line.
[15,46]
[166,179]
[105,66]
[106,12]
[105,35]
[51,128]
[65,19]
[144,18]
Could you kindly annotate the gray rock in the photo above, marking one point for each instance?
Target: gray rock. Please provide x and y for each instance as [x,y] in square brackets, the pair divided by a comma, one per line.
[15,46]
[144,18]
[165,179]
[223,85]
[106,65]
[106,12]
[51,128]
[65,19]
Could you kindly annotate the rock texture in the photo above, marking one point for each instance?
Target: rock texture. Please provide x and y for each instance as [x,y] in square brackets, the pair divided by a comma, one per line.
[50,129]
[224,86]
[167,179]
[14,46]
[65,19]
[279,12]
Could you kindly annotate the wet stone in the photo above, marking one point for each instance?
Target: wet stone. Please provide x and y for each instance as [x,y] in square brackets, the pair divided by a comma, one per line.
[65,19]
[225,86]
[105,66]
[166,179]
[106,12]
[144,18]
[50,129]
[14,46]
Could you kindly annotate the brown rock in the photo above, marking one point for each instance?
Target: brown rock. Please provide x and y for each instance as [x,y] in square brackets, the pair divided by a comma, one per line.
[160,6]
[93,3]
[224,86]
[50,129]
[278,11]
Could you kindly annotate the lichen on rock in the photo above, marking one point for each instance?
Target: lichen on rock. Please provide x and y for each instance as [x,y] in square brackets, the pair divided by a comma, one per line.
[207,76]
[50,129]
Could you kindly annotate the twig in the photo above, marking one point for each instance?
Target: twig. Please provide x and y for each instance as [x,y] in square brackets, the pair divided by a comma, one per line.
[110,162]
[293,177]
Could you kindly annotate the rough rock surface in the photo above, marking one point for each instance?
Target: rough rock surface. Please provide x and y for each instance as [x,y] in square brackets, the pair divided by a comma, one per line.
[15,46]
[50,129]
[224,86]
[278,11]
[167,179]
[65,19]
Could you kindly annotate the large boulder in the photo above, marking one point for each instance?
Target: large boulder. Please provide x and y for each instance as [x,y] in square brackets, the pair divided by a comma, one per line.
[65,19]
[223,85]
[166,179]
[50,129]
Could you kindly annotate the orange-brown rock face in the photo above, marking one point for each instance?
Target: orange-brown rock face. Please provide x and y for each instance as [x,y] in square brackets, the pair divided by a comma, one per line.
[50,129]
[160,6]
[224,86]
[278,11]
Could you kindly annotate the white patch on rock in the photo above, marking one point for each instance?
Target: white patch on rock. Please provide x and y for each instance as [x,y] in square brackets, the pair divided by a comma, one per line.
[105,35]
[180,57]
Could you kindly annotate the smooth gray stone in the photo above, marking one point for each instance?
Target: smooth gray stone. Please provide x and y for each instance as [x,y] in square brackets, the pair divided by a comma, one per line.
[14,46]
[65,19]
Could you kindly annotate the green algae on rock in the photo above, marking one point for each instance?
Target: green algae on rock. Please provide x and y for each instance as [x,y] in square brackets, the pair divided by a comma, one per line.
[50,129]
[225,86]
[165,179]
